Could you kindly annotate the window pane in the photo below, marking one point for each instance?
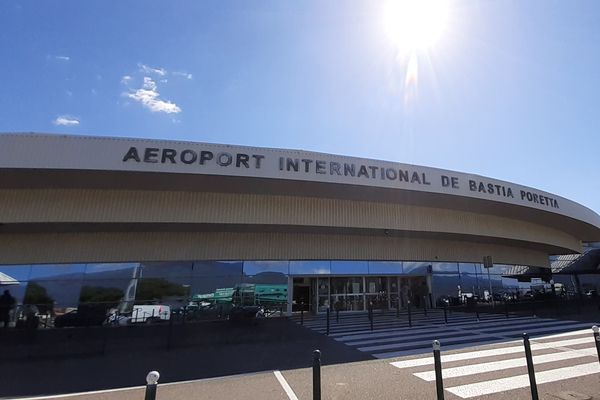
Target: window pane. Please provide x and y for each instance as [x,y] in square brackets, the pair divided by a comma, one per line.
[444,267]
[349,267]
[310,267]
[416,268]
[385,267]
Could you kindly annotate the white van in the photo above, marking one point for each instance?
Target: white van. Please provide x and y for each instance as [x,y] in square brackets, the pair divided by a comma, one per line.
[150,313]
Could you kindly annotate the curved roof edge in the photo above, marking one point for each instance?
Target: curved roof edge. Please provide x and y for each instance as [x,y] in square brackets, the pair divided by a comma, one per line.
[70,152]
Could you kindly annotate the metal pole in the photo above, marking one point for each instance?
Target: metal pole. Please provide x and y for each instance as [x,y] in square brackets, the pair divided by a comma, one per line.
[409,314]
[446,314]
[424,306]
[327,321]
[316,375]
[302,316]
[439,382]
[337,315]
[597,340]
[530,370]
[151,385]
[490,282]
[477,311]
[371,314]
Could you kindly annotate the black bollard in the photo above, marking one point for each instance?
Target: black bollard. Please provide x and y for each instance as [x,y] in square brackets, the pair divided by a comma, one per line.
[337,315]
[409,314]
[597,340]
[446,314]
[302,316]
[151,385]
[316,375]
[371,315]
[327,321]
[530,370]
[439,382]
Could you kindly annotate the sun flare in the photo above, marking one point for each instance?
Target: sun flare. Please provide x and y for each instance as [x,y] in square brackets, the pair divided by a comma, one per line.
[414,25]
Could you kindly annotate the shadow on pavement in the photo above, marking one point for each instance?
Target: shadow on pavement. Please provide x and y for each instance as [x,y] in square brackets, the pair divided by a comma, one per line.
[86,359]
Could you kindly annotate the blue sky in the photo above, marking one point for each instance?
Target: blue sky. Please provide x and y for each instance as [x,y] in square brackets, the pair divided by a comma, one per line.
[510,91]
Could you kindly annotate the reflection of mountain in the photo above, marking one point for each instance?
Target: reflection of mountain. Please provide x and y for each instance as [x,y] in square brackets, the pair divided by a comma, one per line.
[202,276]
[65,289]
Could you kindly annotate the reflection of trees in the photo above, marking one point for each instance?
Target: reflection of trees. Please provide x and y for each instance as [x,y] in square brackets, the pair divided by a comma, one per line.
[157,289]
[96,294]
[38,295]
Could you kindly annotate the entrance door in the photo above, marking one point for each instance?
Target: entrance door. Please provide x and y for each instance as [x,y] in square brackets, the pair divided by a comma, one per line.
[302,297]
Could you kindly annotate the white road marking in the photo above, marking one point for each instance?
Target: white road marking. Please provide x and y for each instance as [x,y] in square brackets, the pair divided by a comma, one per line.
[474,369]
[286,387]
[521,381]
[417,362]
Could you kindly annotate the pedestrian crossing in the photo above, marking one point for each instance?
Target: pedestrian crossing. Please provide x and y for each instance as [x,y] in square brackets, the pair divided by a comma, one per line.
[502,367]
[392,336]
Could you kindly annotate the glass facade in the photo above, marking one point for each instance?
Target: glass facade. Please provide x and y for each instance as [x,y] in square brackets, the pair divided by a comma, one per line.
[209,289]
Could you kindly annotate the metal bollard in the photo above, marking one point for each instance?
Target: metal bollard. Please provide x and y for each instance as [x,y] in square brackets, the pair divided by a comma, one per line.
[446,315]
[439,382]
[327,321]
[409,314]
[151,385]
[302,316]
[530,370]
[316,375]
[371,315]
[597,340]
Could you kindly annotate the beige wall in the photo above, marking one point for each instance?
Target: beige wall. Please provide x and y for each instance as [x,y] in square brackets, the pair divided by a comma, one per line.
[165,246]
[418,233]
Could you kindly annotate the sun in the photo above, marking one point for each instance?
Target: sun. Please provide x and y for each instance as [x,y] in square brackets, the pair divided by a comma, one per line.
[414,25]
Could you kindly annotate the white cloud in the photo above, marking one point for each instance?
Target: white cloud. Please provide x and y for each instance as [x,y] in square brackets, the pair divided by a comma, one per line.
[65,120]
[149,97]
[125,79]
[62,58]
[149,70]
[183,74]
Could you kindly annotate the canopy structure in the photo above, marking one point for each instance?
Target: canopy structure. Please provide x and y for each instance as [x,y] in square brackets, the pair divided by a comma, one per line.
[7,280]
[587,263]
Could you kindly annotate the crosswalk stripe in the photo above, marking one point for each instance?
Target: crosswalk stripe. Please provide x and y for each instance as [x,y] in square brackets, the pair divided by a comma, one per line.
[522,381]
[474,369]
[417,362]
[465,338]
[388,332]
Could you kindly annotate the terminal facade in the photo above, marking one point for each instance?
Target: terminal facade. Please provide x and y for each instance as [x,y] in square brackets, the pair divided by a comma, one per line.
[133,221]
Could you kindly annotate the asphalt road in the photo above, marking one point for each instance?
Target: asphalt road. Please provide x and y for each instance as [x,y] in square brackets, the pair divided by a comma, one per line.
[380,379]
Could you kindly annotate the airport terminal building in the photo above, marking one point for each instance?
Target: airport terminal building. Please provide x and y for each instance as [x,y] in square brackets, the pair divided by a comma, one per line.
[121,221]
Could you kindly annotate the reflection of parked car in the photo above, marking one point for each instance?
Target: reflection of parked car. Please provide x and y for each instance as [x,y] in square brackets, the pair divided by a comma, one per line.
[150,313]
[591,293]
[78,318]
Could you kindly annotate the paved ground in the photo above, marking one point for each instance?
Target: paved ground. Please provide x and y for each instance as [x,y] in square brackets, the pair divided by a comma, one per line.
[564,352]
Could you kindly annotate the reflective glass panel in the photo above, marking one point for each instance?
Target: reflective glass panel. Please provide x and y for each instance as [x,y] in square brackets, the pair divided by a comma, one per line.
[385,267]
[57,272]
[349,267]
[416,268]
[444,267]
[310,267]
